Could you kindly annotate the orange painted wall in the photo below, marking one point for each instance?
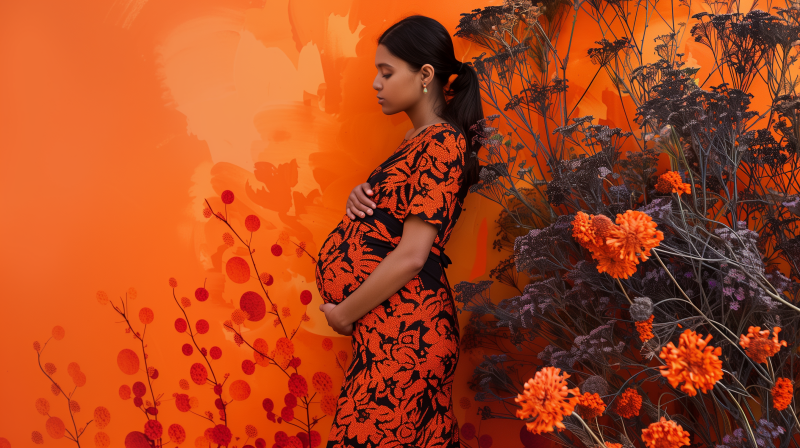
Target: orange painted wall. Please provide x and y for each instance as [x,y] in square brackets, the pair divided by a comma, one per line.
[120,117]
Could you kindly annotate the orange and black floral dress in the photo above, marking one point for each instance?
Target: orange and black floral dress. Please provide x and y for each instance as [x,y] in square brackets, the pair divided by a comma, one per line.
[397,391]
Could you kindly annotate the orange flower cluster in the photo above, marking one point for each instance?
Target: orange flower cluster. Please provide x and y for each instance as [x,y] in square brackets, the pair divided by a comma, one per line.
[758,345]
[628,404]
[613,445]
[665,434]
[671,182]
[617,248]
[546,401]
[645,329]
[782,393]
[590,406]
[693,362]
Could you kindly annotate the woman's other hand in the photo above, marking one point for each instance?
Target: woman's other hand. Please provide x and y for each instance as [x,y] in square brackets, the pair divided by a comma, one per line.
[334,321]
[359,203]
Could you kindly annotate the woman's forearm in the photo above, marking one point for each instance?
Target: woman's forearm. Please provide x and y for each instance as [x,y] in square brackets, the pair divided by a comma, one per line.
[391,274]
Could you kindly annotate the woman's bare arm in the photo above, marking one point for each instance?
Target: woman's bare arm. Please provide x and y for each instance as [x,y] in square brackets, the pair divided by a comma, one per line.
[391,274]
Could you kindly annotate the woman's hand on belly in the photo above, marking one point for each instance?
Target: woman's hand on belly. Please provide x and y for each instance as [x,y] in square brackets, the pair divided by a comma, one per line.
[398,268]
[334,321]
[358,203]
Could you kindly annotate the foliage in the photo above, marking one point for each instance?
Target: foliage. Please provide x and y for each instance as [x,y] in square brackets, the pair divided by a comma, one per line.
[668,341]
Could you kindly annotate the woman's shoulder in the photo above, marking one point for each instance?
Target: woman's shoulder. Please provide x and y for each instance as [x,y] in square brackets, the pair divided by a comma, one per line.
[447,135]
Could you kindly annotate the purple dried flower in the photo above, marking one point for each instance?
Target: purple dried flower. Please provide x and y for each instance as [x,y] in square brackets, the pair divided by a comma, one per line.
[641,309]
[595,384]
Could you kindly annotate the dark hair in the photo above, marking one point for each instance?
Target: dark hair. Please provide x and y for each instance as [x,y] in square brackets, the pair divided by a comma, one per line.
[421,40]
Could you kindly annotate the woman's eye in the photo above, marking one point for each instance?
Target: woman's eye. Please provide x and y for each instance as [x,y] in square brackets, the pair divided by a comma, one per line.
[386,76]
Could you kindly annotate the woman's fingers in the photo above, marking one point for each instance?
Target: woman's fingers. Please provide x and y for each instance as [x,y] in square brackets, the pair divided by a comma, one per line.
[359,202]
[364,194]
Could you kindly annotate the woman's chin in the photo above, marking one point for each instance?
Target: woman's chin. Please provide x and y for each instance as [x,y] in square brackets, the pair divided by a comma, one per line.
[387,110]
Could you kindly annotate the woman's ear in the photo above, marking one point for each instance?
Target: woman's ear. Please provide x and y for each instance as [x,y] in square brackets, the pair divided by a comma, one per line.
[427,72]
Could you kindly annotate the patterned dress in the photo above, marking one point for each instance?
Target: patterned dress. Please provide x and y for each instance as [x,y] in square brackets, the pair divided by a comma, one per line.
[397,390]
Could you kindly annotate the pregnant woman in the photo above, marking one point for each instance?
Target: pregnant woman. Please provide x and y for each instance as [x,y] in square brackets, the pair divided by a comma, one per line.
[381,271]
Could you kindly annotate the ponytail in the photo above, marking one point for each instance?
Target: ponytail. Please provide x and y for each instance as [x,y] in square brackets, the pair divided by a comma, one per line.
[421,40]
[464,110]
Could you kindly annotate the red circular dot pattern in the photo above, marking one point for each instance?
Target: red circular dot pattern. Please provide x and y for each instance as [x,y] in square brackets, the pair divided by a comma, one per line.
[102,440]
[153,429]
[276,249]
[252,303]
[298,385]
[201,294]
[180,325]
[239,390]
[215,352]
[305,297]
[252,223]
[128,361]
[316,439]
[221,435]
[136,439]
[198,373]
[139,389]
[248,367]
[238,270]
[58,333]
[102,417]
[227,198]
[182,402]
[42,406]
[201,326]
[146,315]
[176,433]
[468,431]
[125,392]
[55,427]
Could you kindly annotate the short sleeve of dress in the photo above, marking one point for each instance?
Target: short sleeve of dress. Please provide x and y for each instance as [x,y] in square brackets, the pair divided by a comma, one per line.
[436,177]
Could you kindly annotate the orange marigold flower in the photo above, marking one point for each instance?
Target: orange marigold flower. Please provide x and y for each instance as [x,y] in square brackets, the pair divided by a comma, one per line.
[665,434]
[693,362]
[591,230]
[782,393]
[613,445]
[628,404]
[671,182]
[583,232]
[645,329]
[634,236]
[546,401]
[602,225]
[758,345]
[590,406]
[610,263]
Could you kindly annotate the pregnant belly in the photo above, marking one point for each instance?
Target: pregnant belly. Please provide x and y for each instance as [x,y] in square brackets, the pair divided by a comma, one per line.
[346,258]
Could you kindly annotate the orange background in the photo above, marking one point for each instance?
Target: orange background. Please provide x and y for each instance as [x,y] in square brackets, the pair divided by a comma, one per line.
[120,117]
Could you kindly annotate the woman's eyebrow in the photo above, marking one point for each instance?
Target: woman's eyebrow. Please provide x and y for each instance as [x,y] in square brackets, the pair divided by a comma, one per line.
[383,63]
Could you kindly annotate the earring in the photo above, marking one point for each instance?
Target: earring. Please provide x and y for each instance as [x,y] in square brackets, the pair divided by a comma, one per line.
[424,89]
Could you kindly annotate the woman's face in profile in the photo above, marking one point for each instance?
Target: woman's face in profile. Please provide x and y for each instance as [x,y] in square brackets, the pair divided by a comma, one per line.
[397,85]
